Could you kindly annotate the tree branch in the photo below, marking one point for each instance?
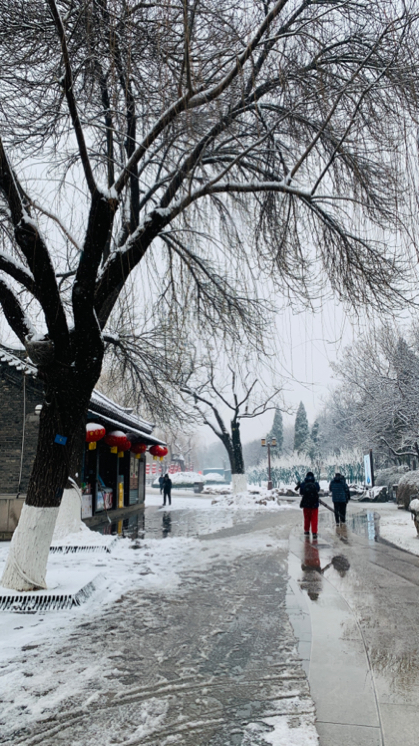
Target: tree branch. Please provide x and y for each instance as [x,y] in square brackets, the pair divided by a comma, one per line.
[68,84]
[13,312]
[188,101]
[18,272]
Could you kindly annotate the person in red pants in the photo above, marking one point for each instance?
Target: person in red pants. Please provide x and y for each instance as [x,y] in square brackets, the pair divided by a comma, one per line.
[309,490]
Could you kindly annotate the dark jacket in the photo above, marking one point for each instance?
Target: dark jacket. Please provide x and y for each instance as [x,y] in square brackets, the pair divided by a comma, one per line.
[309,491]
[167,486]
[339,489]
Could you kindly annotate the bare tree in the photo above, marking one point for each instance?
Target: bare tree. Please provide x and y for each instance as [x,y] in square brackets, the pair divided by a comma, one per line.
[241,397]
[377,400]
[218,138]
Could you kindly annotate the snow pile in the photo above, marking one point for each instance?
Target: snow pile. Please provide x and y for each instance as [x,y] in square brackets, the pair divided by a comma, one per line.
[258,498]
[70,529]
[217,489]
[414,506]
[355,488]
[374,494]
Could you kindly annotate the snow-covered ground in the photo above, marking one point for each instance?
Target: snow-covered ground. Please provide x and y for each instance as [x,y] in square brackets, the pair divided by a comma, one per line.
[255,498]
[175,634]
[397,526]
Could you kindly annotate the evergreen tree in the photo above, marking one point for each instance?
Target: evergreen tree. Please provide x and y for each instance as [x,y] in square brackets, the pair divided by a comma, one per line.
[277,431]
[315,432]
[301,428]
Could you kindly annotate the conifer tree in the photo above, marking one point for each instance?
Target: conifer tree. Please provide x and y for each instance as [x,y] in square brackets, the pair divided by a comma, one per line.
[277,431]
[301,428]
[315,432]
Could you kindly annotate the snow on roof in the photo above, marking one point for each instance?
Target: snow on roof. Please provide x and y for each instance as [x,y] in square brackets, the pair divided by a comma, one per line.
[129,429]
[11,357]
[99,401]
[100,405]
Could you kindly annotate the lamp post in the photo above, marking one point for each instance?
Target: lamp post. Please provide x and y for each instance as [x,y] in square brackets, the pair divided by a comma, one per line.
[269,444]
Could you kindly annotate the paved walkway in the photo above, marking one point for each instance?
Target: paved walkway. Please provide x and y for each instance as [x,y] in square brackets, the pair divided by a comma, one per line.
[208,662]
[354,605]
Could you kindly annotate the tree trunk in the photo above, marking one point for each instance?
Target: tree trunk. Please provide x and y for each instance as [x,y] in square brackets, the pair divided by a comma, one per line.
[63,412]
[238,476]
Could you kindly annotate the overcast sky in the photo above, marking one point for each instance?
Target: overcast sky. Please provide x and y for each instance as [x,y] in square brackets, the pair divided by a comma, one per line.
[307,344]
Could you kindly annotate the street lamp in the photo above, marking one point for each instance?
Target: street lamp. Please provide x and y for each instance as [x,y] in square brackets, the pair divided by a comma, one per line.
[269,444]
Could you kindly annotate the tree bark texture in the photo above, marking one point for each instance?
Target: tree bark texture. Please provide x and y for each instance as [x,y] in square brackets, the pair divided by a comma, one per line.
[62,417]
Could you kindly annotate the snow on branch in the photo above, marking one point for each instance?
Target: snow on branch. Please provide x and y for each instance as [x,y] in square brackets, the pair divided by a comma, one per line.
[13,312]
[17,271]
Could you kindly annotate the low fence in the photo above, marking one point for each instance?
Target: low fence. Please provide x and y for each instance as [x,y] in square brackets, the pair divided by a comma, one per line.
[354,472]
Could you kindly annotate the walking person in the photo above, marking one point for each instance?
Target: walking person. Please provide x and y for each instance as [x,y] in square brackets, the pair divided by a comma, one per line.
[167,490]
[309,491]
[161,482]
[340,497]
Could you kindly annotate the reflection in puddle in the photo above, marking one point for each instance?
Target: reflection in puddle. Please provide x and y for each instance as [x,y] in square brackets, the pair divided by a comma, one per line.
[363,524]
[153,523]
[311,580]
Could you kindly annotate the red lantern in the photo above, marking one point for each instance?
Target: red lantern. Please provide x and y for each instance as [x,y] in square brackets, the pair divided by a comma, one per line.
[94,432]
[158,452]
[138,449]
[116,439]
[124,447]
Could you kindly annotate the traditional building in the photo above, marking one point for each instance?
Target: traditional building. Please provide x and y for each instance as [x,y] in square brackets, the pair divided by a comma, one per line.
[111,481]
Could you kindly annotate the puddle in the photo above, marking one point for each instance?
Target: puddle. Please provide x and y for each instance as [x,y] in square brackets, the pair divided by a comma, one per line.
[367,525]
[152,523]
[363,524]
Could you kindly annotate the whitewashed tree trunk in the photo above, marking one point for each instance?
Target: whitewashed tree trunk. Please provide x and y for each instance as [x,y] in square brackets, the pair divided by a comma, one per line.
[239,483]
[66,399]
[26,564]
[69,517]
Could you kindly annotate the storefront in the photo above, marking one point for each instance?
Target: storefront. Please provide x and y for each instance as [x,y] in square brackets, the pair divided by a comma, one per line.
[109,480]
[114,467]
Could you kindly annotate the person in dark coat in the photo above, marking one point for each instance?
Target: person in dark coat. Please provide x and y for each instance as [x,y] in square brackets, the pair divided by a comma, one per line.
[161,482]
[340,497]
[309,490]
[167,489]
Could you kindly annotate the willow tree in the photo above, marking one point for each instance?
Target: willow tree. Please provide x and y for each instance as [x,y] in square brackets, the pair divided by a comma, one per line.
[202,134]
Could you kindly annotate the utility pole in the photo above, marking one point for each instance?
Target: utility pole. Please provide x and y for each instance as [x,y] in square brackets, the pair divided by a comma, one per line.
[269,444]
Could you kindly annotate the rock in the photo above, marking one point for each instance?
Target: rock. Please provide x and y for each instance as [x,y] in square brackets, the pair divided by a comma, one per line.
[374,495]
[408,489]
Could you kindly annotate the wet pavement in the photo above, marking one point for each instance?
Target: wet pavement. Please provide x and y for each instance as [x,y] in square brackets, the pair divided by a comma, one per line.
[213,663]
[354,604]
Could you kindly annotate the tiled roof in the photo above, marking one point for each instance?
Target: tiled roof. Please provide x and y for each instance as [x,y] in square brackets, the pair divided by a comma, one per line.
[101,407]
